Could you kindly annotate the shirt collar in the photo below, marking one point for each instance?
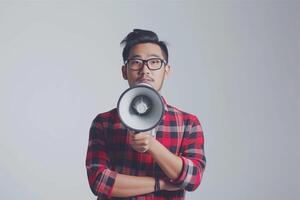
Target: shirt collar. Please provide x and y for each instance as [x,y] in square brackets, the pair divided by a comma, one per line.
[165,103]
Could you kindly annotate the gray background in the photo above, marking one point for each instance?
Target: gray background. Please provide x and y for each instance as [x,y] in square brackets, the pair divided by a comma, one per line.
[235,64]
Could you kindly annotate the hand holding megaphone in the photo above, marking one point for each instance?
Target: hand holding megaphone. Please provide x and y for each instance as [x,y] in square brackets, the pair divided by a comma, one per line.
[141,142]
[140,108]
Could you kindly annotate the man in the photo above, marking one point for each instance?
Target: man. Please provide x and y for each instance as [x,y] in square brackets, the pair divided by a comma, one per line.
[124,165]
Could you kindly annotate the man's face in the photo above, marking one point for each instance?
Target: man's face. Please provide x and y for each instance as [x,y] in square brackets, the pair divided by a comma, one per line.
[155,78]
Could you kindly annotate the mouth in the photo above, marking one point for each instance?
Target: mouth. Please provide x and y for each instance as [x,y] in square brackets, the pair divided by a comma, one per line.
[145,80]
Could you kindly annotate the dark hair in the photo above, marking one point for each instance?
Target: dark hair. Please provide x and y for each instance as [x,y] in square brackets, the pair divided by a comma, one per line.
[138,36]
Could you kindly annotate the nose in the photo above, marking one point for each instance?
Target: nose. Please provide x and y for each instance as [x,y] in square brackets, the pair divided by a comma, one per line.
[145,69]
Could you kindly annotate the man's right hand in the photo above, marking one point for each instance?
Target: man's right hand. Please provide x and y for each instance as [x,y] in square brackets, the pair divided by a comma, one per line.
[141,142]
[164,185]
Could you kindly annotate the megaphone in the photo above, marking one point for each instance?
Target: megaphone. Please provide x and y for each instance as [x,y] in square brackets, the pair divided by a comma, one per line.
[140,108]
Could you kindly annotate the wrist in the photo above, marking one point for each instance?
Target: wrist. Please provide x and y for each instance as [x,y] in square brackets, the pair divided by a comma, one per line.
[157,184]
[152,145]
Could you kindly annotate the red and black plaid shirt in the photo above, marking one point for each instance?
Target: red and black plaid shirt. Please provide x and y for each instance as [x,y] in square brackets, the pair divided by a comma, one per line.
[109,153]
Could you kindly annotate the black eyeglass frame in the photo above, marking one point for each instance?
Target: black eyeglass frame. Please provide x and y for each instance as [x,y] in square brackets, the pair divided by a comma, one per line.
[145,62]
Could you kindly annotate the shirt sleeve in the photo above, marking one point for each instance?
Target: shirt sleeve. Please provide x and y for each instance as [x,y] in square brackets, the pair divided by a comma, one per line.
[101,178]
[193,157]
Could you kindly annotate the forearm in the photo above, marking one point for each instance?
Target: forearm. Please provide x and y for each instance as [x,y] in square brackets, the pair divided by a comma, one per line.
[127,186]
[168,162]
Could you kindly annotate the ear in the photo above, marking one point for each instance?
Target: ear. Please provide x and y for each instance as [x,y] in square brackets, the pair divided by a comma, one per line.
[167,71]
[124,72]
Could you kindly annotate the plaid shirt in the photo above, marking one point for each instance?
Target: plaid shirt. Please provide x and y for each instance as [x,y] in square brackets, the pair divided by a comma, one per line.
[109,153]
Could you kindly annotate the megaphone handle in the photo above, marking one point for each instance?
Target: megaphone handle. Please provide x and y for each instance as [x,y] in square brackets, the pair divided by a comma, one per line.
[153,132]
[133,131]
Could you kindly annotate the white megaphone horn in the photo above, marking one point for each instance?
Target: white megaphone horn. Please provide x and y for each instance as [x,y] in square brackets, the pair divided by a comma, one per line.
[140,108]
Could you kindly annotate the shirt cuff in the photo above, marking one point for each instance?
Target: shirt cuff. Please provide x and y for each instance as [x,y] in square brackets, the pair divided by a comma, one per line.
[113,176]
[105,188]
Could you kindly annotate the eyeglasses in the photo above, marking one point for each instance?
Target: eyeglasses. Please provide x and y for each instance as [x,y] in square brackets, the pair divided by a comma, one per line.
[152,63]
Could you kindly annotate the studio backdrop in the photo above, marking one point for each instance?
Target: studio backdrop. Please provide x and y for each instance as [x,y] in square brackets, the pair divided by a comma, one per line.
[234,64]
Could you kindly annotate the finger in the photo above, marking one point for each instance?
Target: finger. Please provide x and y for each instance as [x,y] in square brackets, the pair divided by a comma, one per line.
[132,132]
[139,148]
[140,143]
[141,135]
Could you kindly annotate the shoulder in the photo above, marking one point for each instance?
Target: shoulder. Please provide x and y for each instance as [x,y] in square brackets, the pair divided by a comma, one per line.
[106,117]
[187,117]
[189,121]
